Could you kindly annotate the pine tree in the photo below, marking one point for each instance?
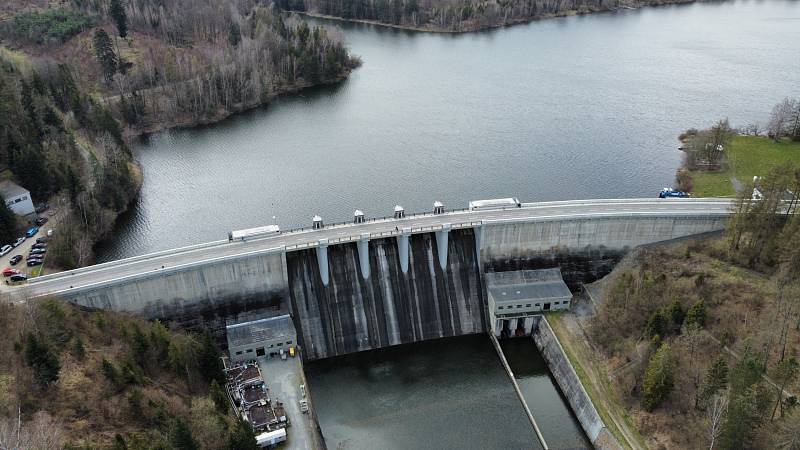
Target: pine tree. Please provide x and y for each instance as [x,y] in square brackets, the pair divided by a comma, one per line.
[659,378]
[117,12]
[42,360]
[676,313]
[208,359]
[8,224]
[716,379]
[219,397]
[180,436]
[104,51]
[242,437]
[697,314]
[656,324]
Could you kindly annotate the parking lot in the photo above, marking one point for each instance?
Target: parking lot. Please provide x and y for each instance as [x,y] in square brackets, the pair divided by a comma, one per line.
[23,249]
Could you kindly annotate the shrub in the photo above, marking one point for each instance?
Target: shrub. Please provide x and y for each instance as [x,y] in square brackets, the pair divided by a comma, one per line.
[51,26]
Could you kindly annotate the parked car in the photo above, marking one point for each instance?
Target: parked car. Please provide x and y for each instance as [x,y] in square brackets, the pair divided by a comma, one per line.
[42,240]
[34,262]
[37,250]
[15,259]
[8,271]
[34,256]
[19,277]
[6,250]
[32,231]
[19,241]
[41,221]
[40,245]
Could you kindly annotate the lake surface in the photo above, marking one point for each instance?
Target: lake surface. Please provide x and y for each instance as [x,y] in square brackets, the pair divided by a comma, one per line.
[578,107]
[445,394]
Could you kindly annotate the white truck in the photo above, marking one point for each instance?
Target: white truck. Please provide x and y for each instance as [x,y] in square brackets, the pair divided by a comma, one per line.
[253,233]
[495,203]
[271,439]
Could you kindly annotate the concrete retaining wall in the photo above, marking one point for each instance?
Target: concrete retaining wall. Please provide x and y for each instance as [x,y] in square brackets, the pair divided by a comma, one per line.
[571,386]
[585,249]
[203,295]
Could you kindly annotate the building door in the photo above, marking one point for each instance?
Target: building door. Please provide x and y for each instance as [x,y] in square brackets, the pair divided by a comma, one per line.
[260,351]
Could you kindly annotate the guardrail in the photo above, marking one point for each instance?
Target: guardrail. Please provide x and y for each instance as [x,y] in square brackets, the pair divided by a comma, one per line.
[408,218]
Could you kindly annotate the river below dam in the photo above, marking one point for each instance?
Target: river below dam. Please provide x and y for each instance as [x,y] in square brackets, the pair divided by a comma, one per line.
[576,107]
[446,394]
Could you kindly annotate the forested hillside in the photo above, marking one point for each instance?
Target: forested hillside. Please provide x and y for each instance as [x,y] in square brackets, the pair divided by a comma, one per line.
[78,380]
[54,139]
[703,338]
[458,15]
[161,63]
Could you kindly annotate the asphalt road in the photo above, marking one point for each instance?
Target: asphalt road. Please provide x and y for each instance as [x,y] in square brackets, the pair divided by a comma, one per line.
[175,259]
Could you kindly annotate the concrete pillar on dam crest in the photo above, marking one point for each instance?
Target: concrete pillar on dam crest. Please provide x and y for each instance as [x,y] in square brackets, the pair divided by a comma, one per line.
[402,248]
[322,260]
[441,244]
[363,255]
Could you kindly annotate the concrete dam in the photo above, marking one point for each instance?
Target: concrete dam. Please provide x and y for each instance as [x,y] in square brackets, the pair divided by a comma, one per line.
[389,307]
[360,286]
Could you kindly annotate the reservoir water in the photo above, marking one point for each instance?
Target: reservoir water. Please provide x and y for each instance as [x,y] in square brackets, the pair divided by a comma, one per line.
[577,107]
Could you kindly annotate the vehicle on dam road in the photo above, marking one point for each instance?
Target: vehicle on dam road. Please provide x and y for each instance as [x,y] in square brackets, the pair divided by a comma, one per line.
[671,193]
[253,233]
[495,203]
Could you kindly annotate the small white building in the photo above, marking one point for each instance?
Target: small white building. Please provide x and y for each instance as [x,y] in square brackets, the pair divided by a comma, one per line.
[17,198]
[264,337]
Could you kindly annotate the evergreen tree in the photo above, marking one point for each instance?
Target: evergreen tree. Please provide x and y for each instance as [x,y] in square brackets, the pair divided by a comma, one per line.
[659,378]
[208,359]
[104,51]
[656,324]
[8,224]
[78,350]
[234,34]
[180,436]
[697,314]
[117,12]
[716,379]
[219,397]
[242,437]
[42,360]
[676,313]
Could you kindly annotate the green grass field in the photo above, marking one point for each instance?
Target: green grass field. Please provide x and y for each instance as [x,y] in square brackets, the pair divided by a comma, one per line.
[748,156]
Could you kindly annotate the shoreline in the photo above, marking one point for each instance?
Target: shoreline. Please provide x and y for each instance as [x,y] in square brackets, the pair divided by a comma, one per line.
[479,28]
[131,133]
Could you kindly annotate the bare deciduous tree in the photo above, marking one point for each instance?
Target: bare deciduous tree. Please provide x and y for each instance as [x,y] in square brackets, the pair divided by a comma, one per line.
[715,417]
[781,118]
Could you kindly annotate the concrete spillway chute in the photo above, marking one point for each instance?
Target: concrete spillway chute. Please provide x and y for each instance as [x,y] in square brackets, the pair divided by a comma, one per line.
[322,260]
[363,255]
[402,248]
[441,244]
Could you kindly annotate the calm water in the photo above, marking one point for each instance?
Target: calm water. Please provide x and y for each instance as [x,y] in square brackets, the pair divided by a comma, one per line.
[560,427]
[445,394]
[580,107]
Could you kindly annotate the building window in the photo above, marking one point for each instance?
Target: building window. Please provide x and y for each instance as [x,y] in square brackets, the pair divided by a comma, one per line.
[280,344]
[288,342]
[528,305]
[499,307]
[239,353]
[24,198]
[271,345]
[249,350]
[519,306]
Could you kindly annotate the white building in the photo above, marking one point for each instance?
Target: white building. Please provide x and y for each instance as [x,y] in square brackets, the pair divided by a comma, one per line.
[17,198]
[264,337]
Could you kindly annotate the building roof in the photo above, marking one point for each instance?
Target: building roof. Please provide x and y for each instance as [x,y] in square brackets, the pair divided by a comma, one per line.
[248,333]
[534,285]
[9,189]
